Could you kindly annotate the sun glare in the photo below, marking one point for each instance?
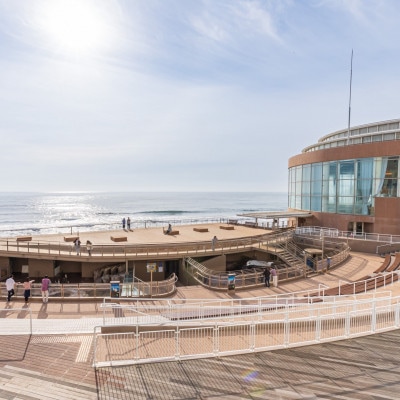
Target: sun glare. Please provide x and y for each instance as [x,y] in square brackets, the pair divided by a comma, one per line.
[73,27]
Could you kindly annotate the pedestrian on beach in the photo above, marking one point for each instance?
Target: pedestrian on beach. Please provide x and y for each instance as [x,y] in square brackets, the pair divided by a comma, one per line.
[89,247]
[10,284]
[274,276]
[77,244]
[123,223]
[27,289]
[45,289]
[169,229]
[214,242]
[128,224]
[267,276]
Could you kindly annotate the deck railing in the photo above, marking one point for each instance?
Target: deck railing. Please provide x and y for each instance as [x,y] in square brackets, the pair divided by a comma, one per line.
[98,290]
[263,330]
[139,250]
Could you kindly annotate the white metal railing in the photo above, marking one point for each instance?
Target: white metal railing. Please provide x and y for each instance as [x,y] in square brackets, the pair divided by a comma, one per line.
[99,290]
[145,311]
[335,233]
[288,327]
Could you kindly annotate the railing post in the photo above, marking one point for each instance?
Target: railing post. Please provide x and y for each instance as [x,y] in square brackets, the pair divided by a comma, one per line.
[286,329]
[347,322]
[216,339]
[318,328]
[373,316]
[177,352]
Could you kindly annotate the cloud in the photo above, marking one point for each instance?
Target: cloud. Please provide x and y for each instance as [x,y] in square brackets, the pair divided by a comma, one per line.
[212,95]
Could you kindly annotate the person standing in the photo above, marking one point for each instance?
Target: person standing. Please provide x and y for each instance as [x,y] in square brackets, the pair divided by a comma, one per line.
[77,244]
[274,276]
[45,289]
[267,276]
[123,223]
[10,284]
[128,224]
[214,243]
[89,247]
[27,289]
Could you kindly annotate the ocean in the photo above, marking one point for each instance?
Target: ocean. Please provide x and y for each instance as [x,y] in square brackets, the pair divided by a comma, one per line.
[39,213]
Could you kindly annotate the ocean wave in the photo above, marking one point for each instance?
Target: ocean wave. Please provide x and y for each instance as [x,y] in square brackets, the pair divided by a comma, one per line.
[169,212]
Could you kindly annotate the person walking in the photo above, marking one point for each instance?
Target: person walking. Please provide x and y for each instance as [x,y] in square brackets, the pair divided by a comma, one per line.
[274,276]
[267,276]
[10,284]
[128,224]
[45,289]
[27,289]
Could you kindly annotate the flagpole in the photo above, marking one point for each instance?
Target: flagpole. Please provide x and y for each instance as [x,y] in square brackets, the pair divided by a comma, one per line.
[351,78]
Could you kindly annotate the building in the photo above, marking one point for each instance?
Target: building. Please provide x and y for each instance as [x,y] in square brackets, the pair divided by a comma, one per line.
[349,180]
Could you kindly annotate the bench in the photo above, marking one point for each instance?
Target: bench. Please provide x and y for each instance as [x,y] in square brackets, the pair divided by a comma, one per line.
[70,238]
[119,238]
[200,229]
[252,224]
[227,227]
[24,238]
[170,233]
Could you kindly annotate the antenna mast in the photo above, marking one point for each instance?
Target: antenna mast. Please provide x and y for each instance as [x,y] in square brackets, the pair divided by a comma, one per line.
[351,78]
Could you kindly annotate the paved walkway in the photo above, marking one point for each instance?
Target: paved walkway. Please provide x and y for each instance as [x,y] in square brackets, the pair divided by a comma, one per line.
[56,364]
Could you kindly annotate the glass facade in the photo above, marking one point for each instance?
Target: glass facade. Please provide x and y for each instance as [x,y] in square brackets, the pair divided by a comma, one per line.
[344,186]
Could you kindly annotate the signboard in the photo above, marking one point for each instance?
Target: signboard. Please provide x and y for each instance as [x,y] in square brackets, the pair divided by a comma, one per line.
[114,289]
[151,267]
[231,282]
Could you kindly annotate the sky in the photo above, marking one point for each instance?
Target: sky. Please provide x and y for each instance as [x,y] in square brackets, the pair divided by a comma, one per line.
[185,95]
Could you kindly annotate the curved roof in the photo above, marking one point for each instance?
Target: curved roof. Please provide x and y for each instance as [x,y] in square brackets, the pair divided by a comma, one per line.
[277,214]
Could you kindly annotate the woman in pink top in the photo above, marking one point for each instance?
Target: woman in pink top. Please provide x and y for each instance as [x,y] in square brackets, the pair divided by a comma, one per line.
[27,289]
[45,289]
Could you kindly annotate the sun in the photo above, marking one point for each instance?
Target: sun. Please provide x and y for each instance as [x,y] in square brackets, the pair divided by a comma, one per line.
[73,27]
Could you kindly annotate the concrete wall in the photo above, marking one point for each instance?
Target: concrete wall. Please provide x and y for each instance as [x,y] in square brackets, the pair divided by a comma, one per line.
[217,263]
[40,268]
[4,266]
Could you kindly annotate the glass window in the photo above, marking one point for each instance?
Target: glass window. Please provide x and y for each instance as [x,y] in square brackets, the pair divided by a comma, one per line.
[372,129]
[366,139]
[345,205]
[316,203]
[305,203]
[388,136]
[376,138]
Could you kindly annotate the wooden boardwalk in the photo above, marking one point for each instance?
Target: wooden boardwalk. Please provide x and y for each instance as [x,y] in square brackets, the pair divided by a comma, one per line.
[361,368]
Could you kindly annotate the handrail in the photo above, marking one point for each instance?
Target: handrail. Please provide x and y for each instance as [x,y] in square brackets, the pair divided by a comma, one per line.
[88,291]
[12,246]
[262,331]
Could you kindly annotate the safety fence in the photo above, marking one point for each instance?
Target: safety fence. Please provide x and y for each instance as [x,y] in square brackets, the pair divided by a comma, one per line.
[248,278]
[98,290]
[267,330]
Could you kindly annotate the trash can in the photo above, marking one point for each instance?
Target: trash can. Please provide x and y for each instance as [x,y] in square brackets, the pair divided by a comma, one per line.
[115,289]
